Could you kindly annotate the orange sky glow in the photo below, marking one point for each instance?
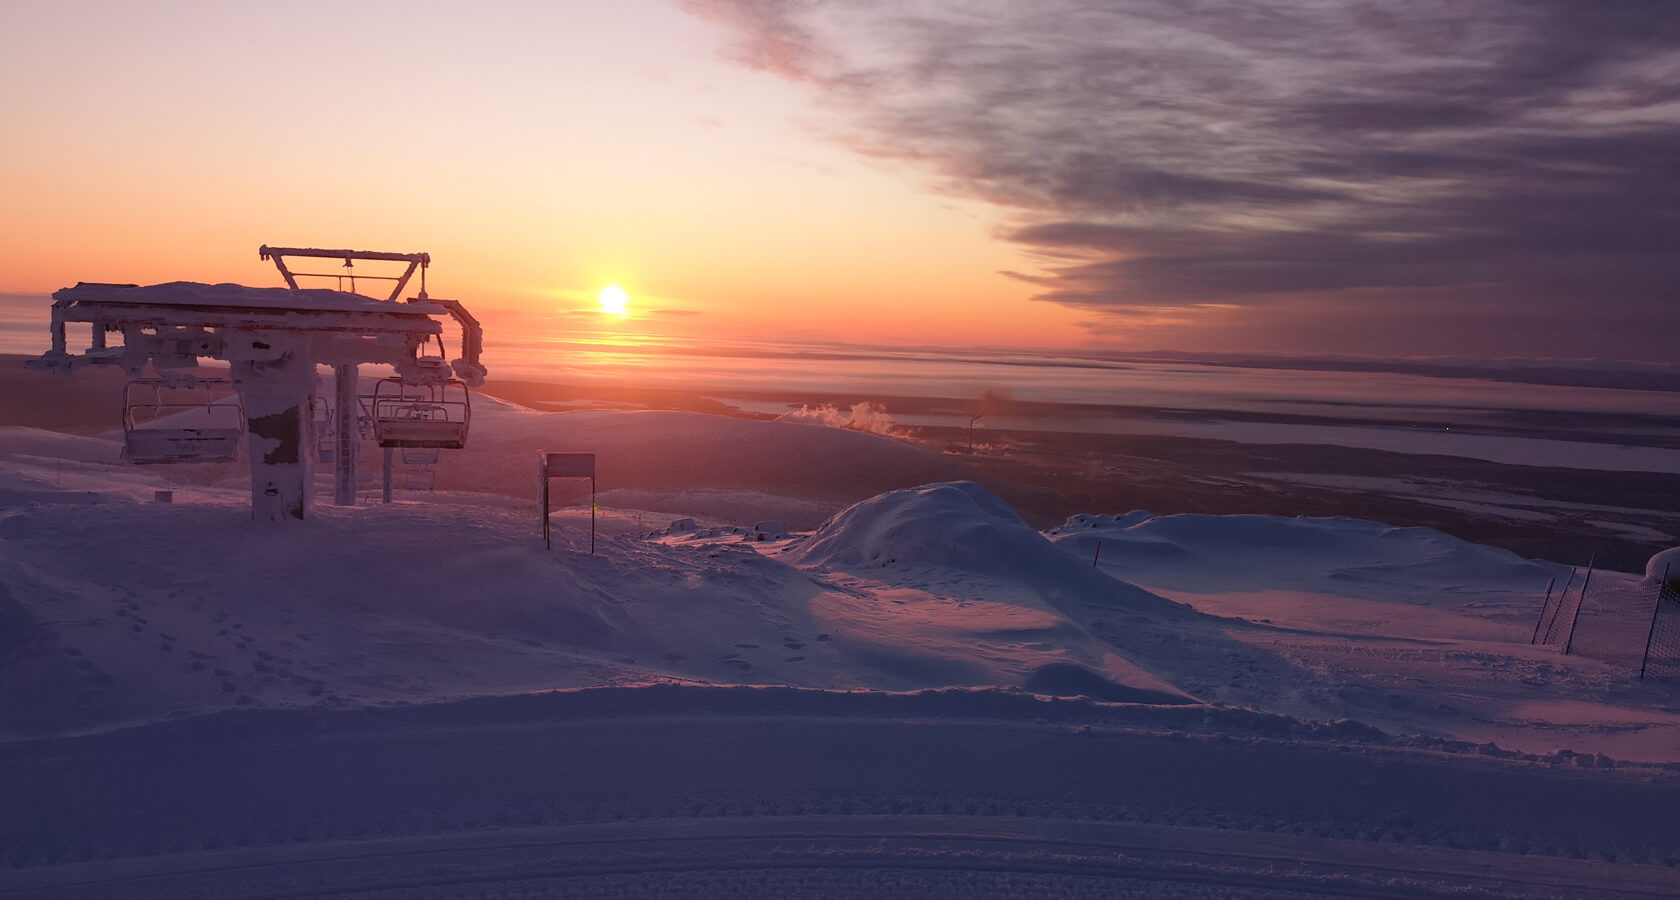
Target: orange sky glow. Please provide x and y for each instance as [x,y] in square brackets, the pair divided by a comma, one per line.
[1057,175]
[537,151]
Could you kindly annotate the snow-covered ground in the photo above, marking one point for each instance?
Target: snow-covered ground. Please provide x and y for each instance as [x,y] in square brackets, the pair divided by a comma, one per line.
[191,701]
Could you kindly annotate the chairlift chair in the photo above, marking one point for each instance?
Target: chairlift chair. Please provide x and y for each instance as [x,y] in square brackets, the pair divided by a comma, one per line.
[326,449]
[419,415]
[157,429]
[420,478]
[420,456]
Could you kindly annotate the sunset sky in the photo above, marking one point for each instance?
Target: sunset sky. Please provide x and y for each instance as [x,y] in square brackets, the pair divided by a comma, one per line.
[1481,179]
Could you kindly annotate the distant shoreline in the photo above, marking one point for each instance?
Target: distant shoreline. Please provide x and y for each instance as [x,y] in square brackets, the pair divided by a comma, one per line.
[1537,511]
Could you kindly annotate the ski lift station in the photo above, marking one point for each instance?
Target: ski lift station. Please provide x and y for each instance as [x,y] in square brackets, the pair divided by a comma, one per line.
[273,338]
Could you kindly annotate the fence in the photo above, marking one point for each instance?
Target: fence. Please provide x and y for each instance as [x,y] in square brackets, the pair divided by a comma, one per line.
[1616,619]
[1560,614]
[1662,644]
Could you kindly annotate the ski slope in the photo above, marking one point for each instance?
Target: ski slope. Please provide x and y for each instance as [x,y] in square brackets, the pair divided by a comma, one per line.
[919,696]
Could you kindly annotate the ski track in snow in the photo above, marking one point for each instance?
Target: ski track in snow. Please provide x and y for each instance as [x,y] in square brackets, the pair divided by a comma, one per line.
[195,703]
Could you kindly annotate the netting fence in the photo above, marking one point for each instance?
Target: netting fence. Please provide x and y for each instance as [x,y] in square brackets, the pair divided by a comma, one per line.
[1561,611]
[1662,648]
[1631,624]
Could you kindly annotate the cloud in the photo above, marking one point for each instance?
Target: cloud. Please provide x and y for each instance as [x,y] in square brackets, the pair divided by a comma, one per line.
[1515,157]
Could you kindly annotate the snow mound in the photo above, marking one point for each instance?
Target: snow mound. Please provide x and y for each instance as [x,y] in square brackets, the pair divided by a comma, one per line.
[1070,680]
[16,492]
[1292,551]
[958,525]
[955,531]
[1107,523]
[679,532]
[1664,561]
[25,442]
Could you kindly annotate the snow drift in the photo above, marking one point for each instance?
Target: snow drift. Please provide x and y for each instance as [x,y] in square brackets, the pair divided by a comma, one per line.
[1661,562]
[1303,552]
[961,526]
[957,524]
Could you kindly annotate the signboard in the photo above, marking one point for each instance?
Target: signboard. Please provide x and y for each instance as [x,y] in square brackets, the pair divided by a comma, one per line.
[569,465]
[565,465]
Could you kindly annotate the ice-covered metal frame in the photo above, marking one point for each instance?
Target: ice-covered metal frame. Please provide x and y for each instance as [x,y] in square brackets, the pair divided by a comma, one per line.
[173,325]
[272,338]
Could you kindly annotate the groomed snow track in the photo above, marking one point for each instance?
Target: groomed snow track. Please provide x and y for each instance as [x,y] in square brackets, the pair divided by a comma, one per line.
[708,791]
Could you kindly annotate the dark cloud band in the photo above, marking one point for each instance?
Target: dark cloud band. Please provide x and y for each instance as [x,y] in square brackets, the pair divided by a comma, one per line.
[1523,156]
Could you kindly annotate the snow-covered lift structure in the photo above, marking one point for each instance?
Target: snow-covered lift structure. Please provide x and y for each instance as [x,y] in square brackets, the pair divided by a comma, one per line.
[273,338]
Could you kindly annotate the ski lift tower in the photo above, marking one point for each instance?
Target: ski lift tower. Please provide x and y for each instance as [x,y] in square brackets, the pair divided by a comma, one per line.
[272,339]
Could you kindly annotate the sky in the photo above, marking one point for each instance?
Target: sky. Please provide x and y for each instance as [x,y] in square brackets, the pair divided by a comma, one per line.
[1468,179]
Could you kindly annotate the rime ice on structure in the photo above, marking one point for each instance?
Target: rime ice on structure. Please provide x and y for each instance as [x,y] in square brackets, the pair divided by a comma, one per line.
[272,339]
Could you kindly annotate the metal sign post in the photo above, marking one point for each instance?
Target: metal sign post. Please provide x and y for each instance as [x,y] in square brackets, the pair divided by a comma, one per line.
[565,465]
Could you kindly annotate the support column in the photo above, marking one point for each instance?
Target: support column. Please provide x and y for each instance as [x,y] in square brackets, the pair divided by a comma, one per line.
[347,441]
[275,392]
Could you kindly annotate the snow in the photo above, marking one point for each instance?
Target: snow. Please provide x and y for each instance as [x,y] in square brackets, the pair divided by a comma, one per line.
[1316,554]
[205,704]
[936,585]
[693,464]
[1661,563]
[239,296]
[958,525]
[1404,628]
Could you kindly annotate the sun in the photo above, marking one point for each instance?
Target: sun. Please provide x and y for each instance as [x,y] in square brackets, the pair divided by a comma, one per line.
[614,301]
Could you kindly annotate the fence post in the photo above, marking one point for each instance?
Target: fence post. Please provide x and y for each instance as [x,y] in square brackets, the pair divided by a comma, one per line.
[1580,601]
[1656,609]
[1544,604]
